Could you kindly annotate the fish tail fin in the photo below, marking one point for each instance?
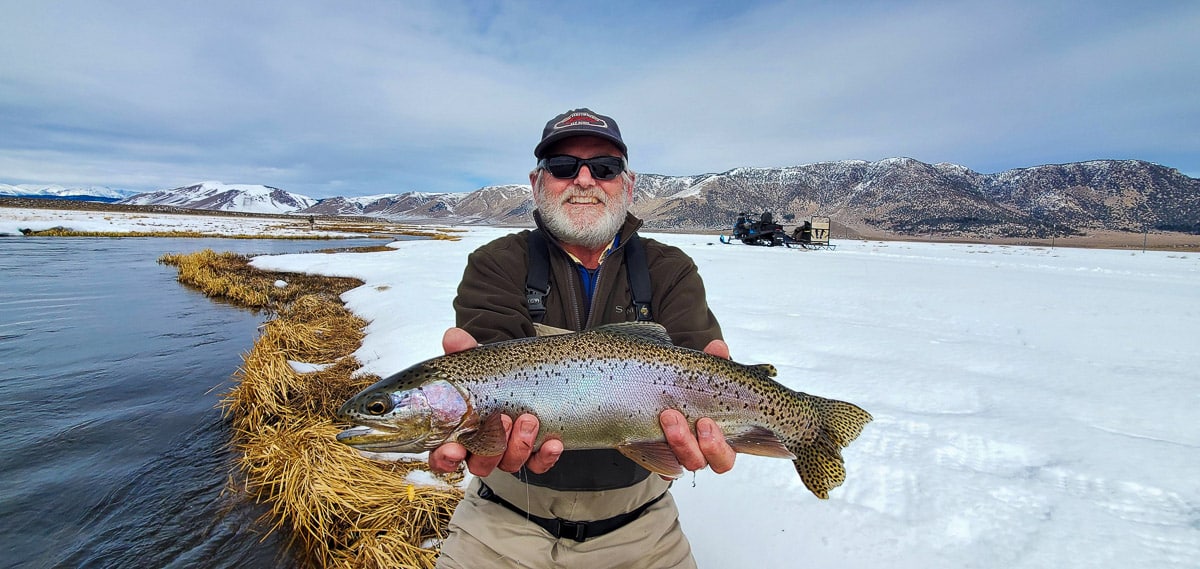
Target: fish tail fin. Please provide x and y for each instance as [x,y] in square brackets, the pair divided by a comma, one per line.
[819,460]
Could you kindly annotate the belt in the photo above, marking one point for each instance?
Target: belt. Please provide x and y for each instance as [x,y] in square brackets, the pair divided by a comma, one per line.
[560,528]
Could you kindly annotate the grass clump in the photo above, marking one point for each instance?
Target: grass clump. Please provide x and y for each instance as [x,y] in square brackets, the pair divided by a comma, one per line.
[229,276]
[339,508]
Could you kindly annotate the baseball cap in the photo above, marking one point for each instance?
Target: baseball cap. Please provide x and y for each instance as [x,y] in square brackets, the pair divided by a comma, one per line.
[579,122]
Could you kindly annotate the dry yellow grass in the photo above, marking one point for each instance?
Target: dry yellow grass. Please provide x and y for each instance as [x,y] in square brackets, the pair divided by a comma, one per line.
[339,508]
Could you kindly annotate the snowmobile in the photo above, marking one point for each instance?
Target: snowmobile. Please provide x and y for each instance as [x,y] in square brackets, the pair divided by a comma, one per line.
[763,231]
[812,234]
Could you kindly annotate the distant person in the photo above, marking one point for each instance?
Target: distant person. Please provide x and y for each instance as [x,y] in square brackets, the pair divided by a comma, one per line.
[803,233]
[312,222]
[596,508]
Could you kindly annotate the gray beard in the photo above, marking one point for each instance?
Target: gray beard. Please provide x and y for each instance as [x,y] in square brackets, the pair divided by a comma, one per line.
[591,231]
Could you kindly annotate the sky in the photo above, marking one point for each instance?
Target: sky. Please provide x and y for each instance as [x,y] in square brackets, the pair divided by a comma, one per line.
[1038,413]
[348,99]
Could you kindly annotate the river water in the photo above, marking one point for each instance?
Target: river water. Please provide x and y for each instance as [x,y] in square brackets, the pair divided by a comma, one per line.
[113,450]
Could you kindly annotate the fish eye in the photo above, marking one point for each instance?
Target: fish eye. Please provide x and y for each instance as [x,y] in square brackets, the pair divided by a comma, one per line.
[378,405]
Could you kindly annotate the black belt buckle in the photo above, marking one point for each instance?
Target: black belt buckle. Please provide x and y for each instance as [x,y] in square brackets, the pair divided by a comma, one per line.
[577,531]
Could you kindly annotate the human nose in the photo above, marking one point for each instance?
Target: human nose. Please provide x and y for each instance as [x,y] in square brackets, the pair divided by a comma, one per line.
[584,177]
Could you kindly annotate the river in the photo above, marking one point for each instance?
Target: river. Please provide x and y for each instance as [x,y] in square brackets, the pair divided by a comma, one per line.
[114,452]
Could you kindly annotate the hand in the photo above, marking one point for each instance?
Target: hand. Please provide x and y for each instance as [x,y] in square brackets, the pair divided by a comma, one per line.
[446,458]
[717,348]
[707,447]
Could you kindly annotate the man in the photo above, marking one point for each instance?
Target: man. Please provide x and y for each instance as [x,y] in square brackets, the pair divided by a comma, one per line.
[596,508]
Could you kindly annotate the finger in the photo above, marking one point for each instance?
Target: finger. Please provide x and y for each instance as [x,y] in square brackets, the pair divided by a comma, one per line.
[545,457]
[457,340]
[717,348]
[717,452]
[484,465]
[446,458]
[520,443]
[681,440]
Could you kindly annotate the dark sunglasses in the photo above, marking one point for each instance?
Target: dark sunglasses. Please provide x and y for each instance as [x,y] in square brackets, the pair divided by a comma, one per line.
[567,167]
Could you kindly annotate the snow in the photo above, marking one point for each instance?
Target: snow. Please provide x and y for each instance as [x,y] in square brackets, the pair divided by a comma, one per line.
[363,201]
[692,192]
[12,220]
[60,191]
[251,198]
[305,367]
[1033,406]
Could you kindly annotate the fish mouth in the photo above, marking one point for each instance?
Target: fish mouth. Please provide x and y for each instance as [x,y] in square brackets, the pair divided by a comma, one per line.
[354,434]
[372,439]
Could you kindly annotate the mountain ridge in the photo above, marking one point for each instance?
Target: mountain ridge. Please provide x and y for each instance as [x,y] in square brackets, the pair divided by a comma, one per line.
[249,198]
[55,191]
[900,196]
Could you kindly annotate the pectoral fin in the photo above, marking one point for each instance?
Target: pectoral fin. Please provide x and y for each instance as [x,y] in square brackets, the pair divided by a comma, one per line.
[489,439]
[655,456]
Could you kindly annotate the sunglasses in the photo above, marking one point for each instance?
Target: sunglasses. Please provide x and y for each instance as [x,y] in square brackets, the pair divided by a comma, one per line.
[567,167]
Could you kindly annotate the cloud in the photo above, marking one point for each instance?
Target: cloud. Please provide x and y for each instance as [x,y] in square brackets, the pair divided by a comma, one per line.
[346,99]
[979,86]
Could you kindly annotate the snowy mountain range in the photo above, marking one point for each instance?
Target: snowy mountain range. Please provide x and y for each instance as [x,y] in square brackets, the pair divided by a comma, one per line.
[84,193]
[893,196]
[501,205]
[910,197]
[226,197]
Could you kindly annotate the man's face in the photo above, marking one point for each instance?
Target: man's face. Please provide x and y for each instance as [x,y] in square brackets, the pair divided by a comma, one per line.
[582,210]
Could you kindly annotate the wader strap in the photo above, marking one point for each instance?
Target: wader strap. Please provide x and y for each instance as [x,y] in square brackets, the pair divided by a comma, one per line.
[560,528]
[639,277]
[537,280]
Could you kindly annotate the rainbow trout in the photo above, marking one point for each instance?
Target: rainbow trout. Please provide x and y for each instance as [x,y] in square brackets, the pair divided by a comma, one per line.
[602,388]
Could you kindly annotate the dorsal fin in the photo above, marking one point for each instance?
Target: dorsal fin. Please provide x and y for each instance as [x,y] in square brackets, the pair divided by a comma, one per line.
[649,332]
[543,330]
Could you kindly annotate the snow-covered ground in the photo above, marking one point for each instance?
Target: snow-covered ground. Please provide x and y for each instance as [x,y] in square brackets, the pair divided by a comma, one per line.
[1033,406]
[12,220]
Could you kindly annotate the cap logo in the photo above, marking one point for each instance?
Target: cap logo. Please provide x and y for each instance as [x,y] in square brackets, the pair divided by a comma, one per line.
[581,119]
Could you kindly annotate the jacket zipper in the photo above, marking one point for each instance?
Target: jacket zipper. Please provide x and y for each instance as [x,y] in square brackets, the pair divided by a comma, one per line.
[595,291]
